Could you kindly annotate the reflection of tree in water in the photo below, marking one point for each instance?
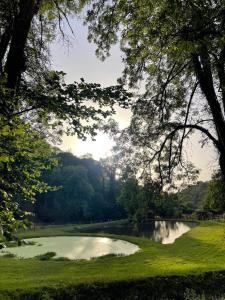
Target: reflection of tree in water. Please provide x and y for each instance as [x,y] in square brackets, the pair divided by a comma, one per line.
[163,229]
[143,229]
[164,232]
[167,231]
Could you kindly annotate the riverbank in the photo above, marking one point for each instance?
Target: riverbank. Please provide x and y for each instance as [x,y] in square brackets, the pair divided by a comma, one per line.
[199,251]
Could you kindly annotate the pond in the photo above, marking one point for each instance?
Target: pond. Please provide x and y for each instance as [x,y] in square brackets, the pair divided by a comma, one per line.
[165,232]
[73,247]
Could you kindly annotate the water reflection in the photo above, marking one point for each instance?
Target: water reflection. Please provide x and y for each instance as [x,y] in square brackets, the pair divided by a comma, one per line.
[73,247]
[165,232]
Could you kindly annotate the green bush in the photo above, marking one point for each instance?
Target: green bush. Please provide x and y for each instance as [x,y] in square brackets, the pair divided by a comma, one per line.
[209,286]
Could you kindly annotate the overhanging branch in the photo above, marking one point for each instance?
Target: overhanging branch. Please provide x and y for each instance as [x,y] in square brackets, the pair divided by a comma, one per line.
[200,128]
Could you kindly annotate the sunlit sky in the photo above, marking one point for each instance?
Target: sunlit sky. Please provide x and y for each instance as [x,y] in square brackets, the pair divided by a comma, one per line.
[78,60]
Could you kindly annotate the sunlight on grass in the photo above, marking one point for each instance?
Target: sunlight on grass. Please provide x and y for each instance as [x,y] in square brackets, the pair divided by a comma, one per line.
[201,249]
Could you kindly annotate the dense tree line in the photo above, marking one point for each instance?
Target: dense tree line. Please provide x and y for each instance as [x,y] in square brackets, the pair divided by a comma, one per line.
[79,190]
[146,201]
[192,197]
[214,199]
[143,201]
[204,196]
[86,192]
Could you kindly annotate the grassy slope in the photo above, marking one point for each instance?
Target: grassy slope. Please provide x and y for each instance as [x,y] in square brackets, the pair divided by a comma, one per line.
[201,249]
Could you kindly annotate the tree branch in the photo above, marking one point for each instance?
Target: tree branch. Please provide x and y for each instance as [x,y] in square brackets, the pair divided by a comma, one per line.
[187,114]
[200,128]
[60,11]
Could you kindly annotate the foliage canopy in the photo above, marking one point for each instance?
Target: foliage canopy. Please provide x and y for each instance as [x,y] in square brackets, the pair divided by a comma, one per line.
[177,48]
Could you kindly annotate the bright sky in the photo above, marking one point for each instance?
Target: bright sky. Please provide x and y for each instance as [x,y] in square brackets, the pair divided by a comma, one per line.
[79,61]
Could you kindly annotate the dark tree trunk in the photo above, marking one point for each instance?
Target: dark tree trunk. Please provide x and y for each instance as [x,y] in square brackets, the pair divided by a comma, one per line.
[4,43]
[204,74]
[222,165]
[16,60]
[203,70]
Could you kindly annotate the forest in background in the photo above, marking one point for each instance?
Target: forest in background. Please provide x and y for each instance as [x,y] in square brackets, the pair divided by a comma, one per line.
[87,190]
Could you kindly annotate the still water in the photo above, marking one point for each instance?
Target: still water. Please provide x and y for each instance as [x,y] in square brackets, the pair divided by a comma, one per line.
[78,247]
[73,247]
[165,232]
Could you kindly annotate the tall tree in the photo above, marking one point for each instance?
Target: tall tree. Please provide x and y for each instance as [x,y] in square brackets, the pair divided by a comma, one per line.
[36,101]
[26,29]
[25,26]
[178,49]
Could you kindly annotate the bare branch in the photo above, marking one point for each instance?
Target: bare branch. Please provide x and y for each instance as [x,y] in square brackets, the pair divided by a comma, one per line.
[60,11]
[187,115]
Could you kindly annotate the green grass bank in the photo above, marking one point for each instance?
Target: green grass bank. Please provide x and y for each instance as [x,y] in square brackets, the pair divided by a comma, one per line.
[196,261]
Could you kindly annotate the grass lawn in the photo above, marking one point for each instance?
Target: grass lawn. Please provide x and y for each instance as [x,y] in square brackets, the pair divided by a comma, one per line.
[201,249]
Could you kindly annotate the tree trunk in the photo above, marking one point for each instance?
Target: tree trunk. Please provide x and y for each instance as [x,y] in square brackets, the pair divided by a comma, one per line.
[4,43]
[222,164]
[16,60]
[203,70]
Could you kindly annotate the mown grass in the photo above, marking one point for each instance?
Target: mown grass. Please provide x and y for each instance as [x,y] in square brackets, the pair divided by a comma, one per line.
[200,250]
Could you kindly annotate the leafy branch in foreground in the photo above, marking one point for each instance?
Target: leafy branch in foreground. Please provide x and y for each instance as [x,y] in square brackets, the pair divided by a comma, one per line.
[24,154]
[80,105]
